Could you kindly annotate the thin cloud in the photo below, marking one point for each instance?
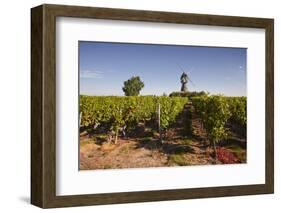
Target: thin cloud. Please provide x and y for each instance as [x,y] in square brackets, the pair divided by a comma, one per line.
[91,74]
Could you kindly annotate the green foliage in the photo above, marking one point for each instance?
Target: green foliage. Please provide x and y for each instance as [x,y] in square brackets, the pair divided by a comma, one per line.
[133,86]
[127,112]
[216,110]
[178,159]
[238,108]
[170,108]
[116,113]
[187,94]
[179,94]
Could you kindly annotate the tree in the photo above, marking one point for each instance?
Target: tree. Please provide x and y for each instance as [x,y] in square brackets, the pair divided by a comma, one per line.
[133,86]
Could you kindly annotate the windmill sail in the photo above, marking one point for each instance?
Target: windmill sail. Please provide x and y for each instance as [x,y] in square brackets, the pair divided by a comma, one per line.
[187,75]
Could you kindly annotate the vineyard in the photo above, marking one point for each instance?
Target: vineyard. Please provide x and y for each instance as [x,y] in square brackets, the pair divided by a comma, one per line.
[149,131]
[125,113]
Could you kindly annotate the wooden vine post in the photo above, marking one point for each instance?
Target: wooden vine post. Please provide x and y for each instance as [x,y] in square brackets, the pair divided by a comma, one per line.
[80,117]
[159,122]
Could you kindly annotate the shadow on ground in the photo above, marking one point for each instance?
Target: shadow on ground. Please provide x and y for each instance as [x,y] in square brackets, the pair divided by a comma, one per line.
[165,147]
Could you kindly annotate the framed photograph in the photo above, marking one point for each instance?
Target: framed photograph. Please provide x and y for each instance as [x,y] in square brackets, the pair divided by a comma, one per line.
[136,106]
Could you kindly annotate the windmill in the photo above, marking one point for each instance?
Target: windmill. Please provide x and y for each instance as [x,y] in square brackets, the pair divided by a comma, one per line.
[184,80]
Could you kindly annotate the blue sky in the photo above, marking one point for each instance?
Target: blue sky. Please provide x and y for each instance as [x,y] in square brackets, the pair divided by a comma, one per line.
[103,68]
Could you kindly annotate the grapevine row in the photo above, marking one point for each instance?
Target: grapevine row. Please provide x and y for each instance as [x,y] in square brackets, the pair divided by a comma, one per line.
[215,111]
[128,111]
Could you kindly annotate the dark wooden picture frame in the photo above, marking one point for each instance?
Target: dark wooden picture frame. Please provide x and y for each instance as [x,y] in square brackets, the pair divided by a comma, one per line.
[43,105]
